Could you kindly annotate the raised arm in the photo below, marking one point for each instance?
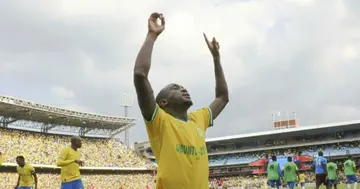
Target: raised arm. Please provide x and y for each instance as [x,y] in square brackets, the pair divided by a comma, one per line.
[221,88]
[18,182]
[142,66]
[35,178]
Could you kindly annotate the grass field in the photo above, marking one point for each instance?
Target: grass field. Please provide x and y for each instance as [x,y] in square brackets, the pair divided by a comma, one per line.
[341,186]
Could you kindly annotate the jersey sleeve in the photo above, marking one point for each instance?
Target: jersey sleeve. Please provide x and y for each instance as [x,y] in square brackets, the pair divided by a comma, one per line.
[203,117]
[31,169]
[155,125]
[324,161]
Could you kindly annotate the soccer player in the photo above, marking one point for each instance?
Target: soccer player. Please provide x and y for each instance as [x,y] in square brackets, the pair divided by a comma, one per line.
[266,161]
[27,176]
[320,170]
[1,159]
[291,174]
[350,170]
[176,137]
[297,160]
[69,161]
[302,180]
[332,172]
[274,173]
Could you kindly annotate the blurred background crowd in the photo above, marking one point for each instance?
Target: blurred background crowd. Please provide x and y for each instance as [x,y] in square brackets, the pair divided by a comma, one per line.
[43,149]
[337,149]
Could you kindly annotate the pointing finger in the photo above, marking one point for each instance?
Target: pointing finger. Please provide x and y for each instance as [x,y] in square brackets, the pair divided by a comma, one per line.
[206,39]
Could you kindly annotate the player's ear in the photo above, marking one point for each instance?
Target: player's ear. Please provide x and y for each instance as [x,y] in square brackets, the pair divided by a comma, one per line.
[163,103]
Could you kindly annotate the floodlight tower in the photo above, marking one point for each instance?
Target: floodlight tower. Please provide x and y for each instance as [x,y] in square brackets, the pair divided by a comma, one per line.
[128,102]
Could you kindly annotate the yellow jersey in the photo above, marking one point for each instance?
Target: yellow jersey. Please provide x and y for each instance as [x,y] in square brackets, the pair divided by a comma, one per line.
[302,178]
[26,175]
[70,171]
[180,150]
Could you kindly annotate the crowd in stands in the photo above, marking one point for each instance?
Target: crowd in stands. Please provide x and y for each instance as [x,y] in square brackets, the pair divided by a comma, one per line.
[288,141]
[108,181]
[248,157]
[44,149]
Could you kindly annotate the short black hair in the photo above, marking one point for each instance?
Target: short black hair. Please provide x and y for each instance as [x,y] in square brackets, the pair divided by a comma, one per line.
[289,159]
[161,95]
[273,158]
[321,153]
[20,157]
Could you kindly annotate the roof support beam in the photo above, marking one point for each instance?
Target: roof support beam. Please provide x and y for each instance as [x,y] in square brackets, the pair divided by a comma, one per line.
[5,121]
[84,130]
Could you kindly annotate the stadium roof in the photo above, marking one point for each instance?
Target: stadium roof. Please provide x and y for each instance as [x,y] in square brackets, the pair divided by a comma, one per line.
[25,110]
[308,130]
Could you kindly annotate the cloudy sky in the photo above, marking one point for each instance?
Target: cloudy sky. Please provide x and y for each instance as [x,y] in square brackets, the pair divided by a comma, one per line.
[277,56]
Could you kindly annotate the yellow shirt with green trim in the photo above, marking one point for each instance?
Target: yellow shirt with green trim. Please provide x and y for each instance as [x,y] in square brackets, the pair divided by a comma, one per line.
[180,150]
[71,171]
[302,178]
[26,175]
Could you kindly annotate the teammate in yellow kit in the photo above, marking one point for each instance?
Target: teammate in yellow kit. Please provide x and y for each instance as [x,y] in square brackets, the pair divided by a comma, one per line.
[69,161]
[302,178]
[27,176]
[1,159]
[176,137]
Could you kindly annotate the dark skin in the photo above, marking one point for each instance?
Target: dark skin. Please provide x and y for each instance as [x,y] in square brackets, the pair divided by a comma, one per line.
[76,144]
[173,99]
[21,163]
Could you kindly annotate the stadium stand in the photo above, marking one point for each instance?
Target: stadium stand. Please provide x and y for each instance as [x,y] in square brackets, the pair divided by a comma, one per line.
[39,132]
[231,156]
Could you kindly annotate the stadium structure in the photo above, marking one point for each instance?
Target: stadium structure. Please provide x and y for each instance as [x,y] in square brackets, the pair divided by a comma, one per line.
[17,113]
[245,154]
[39,132]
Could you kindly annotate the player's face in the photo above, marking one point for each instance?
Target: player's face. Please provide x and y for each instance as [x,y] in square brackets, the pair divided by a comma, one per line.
[20,162]
[79,143]
[179,95]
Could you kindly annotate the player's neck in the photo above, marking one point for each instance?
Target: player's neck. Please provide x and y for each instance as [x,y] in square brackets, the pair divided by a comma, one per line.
[74,147]
[178,114]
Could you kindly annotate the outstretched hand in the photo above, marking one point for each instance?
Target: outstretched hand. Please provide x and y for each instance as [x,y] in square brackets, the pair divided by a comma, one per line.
[154,27]
[213,46]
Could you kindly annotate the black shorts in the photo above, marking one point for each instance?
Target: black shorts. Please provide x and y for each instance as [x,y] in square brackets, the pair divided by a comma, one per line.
[320,179]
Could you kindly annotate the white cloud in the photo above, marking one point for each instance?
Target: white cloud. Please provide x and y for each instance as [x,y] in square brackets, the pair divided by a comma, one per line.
[351,52]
